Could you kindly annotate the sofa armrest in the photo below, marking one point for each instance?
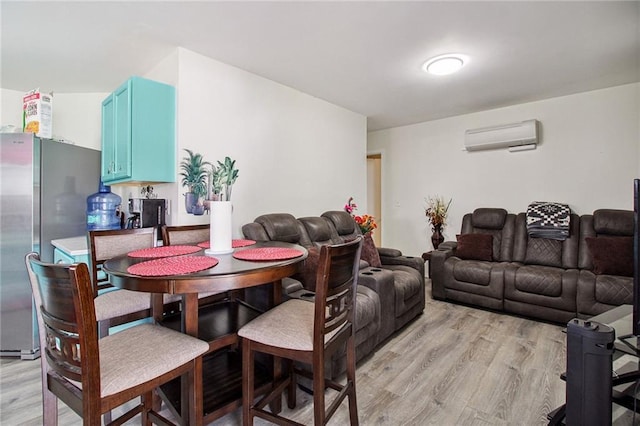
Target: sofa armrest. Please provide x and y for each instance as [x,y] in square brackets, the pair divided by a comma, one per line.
[381,281]
[438,257]
[414,262]
[290,285]
[448,245]
[389,252]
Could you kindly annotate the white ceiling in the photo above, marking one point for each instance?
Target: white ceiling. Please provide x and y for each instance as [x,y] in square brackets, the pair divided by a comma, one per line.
[363,56]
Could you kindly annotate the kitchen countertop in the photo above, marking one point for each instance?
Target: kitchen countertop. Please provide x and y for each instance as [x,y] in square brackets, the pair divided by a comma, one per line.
[74,246]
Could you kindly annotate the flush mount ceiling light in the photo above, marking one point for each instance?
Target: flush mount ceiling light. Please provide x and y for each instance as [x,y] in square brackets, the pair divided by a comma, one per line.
[445,64]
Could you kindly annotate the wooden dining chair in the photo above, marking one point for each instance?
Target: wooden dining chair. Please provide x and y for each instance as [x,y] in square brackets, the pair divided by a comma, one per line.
[93,376]
[192,235]
[116,307]
[185,234]
[308,332]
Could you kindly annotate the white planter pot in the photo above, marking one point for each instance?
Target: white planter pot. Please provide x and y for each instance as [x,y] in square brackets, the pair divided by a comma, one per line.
[221,226]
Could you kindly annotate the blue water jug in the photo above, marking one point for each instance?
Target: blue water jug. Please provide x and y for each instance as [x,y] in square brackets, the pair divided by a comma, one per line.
[103,209]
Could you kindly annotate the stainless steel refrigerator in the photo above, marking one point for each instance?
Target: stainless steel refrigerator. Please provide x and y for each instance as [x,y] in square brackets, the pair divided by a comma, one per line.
[44,186]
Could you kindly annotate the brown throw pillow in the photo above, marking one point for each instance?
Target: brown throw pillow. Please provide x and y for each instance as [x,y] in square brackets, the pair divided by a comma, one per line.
[370,252]
[611,255]
[475,247]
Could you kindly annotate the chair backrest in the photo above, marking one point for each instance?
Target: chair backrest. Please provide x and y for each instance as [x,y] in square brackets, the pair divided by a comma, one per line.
[496,222]
[319,230]
[545,251]
[283,227]
[603,223]
[343,224]
[336,283]
[105,244]
[185,234]
[66,315]
[49,402]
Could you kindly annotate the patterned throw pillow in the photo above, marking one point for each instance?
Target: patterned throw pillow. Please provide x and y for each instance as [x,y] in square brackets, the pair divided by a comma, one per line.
[370,252]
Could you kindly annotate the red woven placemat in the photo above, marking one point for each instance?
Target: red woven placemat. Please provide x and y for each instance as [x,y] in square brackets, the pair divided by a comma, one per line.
[267,253]
[234,243]
[164,251]
[177,265]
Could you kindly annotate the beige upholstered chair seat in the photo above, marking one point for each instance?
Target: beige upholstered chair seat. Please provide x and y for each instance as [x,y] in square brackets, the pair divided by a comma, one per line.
[144,350]
[116,303]
[288,325]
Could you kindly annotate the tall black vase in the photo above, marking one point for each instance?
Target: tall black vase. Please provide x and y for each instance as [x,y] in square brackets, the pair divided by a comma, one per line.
[437,237]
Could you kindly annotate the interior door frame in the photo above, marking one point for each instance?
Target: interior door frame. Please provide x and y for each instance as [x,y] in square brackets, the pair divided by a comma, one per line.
[375,191]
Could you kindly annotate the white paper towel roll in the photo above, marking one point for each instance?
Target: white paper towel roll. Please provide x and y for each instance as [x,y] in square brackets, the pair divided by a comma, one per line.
[220,233]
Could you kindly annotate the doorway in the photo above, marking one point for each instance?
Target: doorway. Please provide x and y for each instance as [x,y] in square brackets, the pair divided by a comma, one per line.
[374,193]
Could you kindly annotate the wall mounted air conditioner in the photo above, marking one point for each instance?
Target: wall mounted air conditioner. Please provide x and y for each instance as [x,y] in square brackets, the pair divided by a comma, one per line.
[504,136]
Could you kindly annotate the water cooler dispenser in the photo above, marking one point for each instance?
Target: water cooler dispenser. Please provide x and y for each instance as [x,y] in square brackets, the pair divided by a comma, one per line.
[104,209]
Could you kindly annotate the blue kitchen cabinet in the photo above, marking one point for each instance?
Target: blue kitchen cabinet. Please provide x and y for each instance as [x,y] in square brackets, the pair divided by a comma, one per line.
[71,250]
[138,133]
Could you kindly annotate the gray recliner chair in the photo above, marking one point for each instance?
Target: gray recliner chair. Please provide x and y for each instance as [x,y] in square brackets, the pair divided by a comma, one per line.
[599,292]
[474,281]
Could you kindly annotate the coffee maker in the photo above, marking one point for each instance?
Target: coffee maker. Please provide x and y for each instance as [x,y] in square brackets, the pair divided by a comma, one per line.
[147,212]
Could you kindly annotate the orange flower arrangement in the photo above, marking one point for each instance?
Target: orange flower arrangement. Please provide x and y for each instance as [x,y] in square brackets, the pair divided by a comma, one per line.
[366,223]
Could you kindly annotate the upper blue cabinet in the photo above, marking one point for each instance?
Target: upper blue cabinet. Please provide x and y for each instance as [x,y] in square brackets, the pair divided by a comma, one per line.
[138,133]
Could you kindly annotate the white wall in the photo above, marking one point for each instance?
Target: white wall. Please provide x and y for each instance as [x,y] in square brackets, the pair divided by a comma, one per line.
[76,116]
[588,157]
[11,108]
[295,153]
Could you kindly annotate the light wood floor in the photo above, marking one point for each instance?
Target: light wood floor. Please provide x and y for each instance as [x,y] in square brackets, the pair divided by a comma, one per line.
[454,365]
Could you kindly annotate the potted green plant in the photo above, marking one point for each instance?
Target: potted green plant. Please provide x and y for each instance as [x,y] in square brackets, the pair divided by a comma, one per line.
[216,177]
[193,170]
[228,176]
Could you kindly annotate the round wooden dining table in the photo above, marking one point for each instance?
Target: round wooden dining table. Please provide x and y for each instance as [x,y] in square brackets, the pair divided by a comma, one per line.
[230,273]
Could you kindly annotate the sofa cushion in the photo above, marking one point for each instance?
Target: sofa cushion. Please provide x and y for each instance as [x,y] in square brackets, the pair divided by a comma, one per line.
[611,255]
[475,247]
[472,271]
[369,252]
[614,290]
[539,280]
[544,251]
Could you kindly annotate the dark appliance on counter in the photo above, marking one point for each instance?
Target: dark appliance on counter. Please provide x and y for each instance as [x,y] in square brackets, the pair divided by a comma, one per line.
[44,186]
[147,212]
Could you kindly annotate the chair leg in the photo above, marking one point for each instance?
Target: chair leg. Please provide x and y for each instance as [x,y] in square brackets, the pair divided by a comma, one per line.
[196,403]
[291,391]
[351,382]
[247,382]
[49,399]
[103,328]
[147,405]
[49,408]
[318,392]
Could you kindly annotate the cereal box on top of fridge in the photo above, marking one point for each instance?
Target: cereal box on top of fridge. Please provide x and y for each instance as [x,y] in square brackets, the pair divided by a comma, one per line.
[37,113]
